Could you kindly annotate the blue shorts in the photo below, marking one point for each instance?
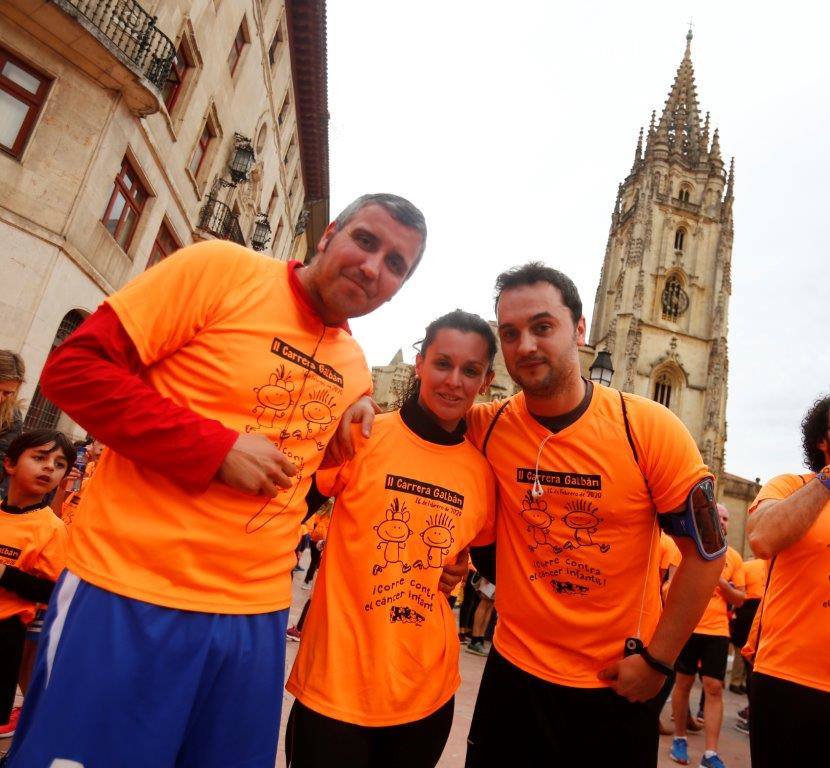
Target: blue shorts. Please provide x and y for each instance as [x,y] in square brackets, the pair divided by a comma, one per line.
[127,684]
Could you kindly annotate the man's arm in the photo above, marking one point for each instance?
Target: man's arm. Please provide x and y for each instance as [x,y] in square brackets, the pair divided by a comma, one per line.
[96,377]
[732,595]
[776,525]
[690,590]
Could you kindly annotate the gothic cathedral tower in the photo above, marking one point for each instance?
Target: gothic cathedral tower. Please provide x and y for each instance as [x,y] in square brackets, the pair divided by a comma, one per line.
[663,298]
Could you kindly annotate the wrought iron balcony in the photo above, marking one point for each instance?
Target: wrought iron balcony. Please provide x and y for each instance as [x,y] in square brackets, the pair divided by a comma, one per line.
[131,30]
[220,221]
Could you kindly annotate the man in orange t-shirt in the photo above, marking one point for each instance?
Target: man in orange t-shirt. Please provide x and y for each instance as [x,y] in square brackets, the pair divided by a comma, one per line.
[789,525]
[706,652]
[583,475]
[215,379]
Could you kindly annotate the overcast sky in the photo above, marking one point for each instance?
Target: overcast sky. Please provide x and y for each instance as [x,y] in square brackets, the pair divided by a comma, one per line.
[511,124]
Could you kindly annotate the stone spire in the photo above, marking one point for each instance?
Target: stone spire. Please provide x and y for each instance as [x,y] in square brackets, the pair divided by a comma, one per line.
[638,152]
[714,153]
[730,183]
[680,121]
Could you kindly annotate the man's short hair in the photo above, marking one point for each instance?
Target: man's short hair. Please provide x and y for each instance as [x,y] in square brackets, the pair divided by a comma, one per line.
[814,429]
[536,272]
[399,208]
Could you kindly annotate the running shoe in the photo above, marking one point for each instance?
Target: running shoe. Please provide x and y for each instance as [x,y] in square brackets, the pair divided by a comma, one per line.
[292,633]
[679,751]
[712,762]
[477,648]
[700,715]
[742,726]
[744,713]
[7,730]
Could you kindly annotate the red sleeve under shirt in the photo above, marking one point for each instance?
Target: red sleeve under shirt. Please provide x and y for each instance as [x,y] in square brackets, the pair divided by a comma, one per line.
[96,376]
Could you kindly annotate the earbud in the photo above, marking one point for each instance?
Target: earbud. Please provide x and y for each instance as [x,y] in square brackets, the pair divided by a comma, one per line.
[537,491]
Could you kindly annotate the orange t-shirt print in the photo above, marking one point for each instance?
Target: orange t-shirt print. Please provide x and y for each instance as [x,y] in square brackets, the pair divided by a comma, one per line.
[573,565]
[221,333]
[795,623]
[380,645]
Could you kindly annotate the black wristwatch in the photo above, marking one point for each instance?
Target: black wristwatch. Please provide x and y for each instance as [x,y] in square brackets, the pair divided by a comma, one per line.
[656,664]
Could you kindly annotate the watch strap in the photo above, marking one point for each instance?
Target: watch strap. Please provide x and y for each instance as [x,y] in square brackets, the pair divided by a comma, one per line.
[656,664]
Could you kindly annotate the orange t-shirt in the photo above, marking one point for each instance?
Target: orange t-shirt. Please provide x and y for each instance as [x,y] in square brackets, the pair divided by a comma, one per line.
[380,645]
[715,619]
[221,333]
[755,575]
[35,542]
[795,625]
[572,565]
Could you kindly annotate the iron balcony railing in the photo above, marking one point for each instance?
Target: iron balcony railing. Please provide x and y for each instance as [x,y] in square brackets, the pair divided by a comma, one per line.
[130,29]
[218,219]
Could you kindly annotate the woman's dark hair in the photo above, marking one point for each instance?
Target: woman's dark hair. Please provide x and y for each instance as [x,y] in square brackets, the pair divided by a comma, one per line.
[536,272]
[457,320]
[814,429]
[39,437]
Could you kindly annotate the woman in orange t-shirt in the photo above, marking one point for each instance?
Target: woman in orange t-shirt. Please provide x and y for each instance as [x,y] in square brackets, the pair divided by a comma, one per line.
[377,669]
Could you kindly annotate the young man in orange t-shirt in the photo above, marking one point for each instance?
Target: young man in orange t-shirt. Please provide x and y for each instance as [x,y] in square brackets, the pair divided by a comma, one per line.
[584,474]
[789,525]
[215,379]
[706,652]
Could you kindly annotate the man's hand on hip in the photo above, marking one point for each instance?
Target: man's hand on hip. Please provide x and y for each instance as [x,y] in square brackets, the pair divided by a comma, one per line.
[633,679]
[255,465]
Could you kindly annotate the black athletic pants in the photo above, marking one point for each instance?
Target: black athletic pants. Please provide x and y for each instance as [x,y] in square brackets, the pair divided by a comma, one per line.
[313,740]
[522,720]
[12,639]
[316,554]
[787,723]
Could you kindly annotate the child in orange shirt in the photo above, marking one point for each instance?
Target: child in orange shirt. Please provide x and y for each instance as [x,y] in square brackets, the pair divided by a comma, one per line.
[32,544]
[377,670]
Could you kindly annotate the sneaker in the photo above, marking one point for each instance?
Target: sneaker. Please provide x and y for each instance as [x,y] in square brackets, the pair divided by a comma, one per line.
[292,633]
[305,585]
[744,713]
[477,648]
[712,762]
[700,716]
[742,726]
[679,751]
[7,730]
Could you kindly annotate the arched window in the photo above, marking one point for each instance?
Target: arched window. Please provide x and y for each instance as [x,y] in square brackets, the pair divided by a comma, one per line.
[662,389]
[675,301]
[684,195]
[679,237]
[260,139]
[43,414]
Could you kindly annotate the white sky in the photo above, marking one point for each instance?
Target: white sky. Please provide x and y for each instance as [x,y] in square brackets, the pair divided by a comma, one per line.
[511,124]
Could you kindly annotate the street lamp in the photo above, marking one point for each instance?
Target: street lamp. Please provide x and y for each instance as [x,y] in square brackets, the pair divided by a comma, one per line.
[262,233]
[601,369]
[243,158]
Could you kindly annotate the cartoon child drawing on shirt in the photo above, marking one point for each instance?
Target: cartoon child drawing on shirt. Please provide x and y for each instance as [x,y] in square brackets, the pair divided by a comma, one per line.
[274,399]
[438,537]
[534,513]
[393,533]
[582,518]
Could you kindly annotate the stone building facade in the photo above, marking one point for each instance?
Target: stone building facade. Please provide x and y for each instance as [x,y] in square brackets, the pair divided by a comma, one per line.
[129,129]
[662,303]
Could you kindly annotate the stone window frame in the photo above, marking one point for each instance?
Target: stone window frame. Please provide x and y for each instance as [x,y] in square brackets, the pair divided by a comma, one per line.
[128,168]
[161,249]
[209,122]
[33,101]
[680,234]
[277,45]
[239,46]
[187,44]
[667,384]
[685,191]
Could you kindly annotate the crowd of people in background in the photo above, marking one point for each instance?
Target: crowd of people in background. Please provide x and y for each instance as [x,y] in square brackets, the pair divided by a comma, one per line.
[599,582]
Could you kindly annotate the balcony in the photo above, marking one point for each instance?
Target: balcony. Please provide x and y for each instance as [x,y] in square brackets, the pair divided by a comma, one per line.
[220,221]
[683,205]
[116,42]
